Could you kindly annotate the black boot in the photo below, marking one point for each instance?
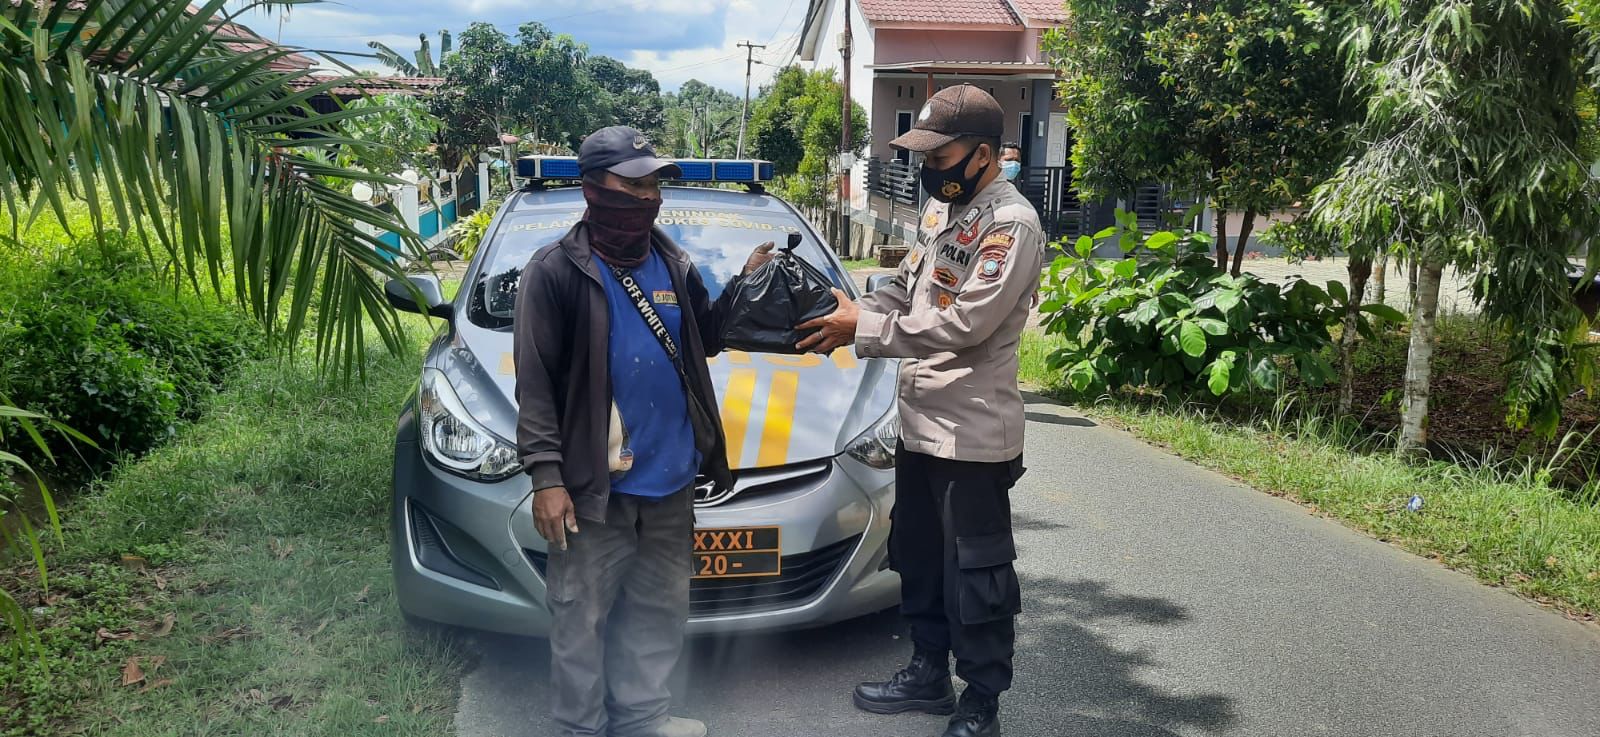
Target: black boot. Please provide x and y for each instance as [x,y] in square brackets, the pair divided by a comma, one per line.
[978,715]
[923,685]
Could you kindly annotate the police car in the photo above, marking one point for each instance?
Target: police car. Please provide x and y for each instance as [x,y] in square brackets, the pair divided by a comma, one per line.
[801,538]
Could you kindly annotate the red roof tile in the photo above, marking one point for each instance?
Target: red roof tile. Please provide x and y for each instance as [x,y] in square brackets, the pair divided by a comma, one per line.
[1053,11]
[969,12]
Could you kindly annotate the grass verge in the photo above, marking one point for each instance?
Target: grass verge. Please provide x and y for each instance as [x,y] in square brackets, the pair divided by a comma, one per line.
[856,264]
[236,580]
[1510,528]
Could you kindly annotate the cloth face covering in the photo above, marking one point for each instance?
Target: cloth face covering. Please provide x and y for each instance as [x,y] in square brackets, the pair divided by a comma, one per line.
[953,184]
[619,225]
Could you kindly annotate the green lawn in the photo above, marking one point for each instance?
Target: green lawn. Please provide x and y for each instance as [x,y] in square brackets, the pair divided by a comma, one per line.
[854,264]
[1506,525]
[260,533]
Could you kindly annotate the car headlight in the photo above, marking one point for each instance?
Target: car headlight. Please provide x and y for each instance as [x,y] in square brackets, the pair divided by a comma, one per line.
[875,447]
[454,440]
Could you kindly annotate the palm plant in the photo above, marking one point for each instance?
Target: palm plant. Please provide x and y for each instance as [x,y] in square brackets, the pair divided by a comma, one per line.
[421,63]
[26,539]
[167,118]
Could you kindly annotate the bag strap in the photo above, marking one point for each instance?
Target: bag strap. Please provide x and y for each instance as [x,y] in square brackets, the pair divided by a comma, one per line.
[652,319]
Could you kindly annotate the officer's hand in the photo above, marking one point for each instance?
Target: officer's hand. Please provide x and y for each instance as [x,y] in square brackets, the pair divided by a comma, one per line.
[758,257]
[835,329]
[554,516]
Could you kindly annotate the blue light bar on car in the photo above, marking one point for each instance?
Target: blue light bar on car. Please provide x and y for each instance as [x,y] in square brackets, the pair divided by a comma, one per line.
[545,168]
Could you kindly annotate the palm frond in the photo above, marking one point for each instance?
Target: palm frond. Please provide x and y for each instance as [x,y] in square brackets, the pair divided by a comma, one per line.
[26,539]
[158,121]
[392,59]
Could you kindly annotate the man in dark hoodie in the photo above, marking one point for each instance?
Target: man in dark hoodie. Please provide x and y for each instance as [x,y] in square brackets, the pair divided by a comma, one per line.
[616,417]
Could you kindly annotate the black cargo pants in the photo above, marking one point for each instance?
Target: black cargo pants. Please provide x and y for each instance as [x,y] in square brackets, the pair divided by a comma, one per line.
[951,542]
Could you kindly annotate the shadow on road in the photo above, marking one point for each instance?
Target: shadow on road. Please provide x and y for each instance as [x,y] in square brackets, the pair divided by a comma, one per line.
[1070,679]
[1083,684]
[1050,419]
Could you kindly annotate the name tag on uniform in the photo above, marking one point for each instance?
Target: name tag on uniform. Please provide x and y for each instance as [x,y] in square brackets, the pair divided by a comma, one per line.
[664,297]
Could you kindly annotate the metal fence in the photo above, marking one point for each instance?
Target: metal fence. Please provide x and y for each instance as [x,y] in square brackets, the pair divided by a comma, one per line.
[1062,213]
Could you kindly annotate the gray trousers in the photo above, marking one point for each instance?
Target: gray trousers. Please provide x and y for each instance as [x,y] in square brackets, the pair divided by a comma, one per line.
[619,602]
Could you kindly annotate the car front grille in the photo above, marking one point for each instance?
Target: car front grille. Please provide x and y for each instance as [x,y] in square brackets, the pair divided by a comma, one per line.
[797,477]
[803,578]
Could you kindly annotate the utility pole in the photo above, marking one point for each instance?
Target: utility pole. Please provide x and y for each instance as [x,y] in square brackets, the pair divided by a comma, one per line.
[744,113]
[845,44]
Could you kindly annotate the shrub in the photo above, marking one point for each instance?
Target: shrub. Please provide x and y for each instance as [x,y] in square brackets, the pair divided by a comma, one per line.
[101,340]
[1167,318]
[469,233]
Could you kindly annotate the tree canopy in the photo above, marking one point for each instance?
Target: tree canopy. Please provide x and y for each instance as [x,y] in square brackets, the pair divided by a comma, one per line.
[1238,101]
[797,124]
[702,121]
[1473,155]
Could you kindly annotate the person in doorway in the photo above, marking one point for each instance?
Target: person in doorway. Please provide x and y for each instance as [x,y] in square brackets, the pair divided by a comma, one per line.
[1010,160]
[616,417]
[955,312]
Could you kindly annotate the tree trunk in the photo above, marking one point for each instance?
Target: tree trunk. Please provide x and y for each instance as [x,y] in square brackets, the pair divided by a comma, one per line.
[1248,225]
[1411,286]
[1419,359]
[1380,278]
[1360,270]
[1222,239]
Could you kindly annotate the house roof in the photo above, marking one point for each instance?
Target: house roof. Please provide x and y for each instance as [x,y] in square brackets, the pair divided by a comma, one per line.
[372,86]
[966,66]
[235,36]
[1048,12]
[940,12]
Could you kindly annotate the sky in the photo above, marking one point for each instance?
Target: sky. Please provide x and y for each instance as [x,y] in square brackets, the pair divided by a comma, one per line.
[677,40]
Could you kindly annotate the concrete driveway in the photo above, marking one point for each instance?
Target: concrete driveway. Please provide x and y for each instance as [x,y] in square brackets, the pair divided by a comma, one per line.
[1160,599]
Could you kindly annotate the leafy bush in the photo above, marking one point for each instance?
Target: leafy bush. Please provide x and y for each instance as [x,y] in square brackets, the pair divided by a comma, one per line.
[103,341]
[469,233]
[1166,317]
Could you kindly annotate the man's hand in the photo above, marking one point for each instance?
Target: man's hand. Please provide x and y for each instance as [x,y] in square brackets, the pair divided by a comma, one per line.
[835,329]
[758,258]
[554,516]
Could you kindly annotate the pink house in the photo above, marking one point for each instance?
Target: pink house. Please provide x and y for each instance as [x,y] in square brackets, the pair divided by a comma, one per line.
[902,51]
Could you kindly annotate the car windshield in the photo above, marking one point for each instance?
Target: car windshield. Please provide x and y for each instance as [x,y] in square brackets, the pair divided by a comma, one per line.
[717,241]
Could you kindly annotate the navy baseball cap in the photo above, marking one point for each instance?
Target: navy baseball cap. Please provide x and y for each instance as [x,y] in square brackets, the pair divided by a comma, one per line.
[623,151]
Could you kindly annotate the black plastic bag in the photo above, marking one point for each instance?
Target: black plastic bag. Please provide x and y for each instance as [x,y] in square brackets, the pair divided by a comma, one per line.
[773,299]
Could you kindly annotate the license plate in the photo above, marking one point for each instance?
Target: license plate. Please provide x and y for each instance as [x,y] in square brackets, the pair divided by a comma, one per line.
[738,552]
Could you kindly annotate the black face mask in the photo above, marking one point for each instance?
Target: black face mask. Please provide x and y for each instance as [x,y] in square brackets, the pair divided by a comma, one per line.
[952,184]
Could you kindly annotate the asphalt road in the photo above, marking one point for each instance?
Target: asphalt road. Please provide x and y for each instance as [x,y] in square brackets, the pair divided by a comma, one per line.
[1160,599]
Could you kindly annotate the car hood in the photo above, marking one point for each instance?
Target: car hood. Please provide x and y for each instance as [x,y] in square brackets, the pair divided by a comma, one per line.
[777,410]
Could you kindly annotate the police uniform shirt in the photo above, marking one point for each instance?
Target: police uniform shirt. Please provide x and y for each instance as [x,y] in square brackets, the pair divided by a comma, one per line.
[956,311]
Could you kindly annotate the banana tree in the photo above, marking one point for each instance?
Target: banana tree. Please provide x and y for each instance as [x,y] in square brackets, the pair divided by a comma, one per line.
[421,64]
[167,118]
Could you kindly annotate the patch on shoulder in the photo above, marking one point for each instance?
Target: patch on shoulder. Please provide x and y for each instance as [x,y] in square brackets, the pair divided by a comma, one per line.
[991,263]
[1002,241]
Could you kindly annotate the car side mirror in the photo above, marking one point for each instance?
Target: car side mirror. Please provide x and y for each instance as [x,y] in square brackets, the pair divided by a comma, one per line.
[400,295]
[877,281]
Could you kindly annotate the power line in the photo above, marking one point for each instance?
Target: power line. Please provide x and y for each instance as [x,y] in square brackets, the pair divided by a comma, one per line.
[785,17]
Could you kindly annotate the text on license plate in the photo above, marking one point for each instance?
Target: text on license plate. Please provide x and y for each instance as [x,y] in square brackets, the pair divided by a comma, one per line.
[739,552]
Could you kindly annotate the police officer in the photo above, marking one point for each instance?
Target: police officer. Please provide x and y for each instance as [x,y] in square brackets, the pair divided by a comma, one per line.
[955,312]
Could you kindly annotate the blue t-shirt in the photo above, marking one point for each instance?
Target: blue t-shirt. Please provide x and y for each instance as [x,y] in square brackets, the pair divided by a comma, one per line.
[645,386]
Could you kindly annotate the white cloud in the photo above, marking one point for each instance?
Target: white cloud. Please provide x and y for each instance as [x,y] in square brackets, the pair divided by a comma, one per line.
[756,21]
